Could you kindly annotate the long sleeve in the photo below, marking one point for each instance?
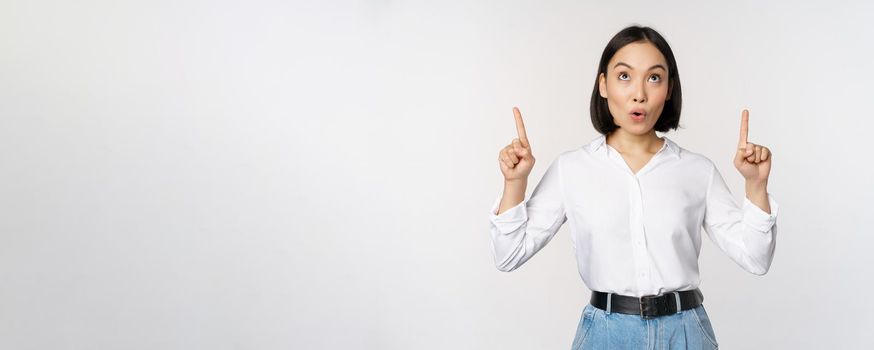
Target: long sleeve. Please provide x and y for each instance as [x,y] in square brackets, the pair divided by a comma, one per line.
[520,232]
[748,235]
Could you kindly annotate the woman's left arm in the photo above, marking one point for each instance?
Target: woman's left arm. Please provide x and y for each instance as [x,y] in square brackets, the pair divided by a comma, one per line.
[754,163]
[747,233]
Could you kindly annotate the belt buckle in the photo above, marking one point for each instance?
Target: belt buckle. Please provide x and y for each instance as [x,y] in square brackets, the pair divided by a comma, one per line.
[644,302]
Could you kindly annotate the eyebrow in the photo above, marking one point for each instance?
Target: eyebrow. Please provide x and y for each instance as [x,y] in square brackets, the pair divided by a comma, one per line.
[650,68]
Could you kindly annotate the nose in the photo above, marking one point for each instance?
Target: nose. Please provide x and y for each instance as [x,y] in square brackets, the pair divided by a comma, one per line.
[639,94]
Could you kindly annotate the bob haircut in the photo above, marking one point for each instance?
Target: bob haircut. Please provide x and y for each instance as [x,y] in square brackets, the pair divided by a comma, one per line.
[602,120]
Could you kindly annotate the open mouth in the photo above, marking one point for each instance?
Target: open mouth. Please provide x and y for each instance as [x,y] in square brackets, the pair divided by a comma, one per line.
[638,114]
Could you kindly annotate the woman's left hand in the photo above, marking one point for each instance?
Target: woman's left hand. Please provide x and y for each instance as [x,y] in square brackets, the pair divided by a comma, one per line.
[752,160]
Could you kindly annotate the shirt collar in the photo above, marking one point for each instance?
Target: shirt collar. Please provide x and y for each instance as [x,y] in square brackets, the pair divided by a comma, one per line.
[599,145]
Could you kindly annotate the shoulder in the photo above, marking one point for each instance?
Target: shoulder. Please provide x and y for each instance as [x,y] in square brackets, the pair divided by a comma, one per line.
[587,149]
[693,165]
[695,158]
[573,156]
[692,158]
[563,157]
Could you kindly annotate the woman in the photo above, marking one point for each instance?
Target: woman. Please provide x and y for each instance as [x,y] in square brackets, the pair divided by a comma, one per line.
[636,203]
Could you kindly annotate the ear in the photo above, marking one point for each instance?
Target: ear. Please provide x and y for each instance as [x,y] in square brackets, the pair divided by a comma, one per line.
[602,85]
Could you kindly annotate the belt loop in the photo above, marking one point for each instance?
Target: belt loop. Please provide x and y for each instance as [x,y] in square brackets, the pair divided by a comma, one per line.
[679,306]
[609,302]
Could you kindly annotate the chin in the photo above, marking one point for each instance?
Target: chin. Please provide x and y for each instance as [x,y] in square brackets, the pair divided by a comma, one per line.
[637,130]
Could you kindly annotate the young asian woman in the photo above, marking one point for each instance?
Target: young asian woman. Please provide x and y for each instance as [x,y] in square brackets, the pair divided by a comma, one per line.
[636,203]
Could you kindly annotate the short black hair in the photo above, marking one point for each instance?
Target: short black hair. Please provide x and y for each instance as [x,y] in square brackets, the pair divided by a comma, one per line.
[602,120]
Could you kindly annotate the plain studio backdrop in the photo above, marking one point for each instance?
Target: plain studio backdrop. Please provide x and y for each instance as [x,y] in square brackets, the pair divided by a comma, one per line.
[275,175]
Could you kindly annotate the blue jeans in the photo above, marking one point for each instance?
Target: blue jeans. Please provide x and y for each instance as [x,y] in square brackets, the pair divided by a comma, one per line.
[688,329]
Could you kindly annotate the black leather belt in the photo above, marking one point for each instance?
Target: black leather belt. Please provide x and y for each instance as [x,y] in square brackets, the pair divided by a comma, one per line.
[649,306]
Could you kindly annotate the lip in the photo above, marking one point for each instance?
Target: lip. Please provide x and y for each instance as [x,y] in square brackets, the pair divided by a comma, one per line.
[635,117]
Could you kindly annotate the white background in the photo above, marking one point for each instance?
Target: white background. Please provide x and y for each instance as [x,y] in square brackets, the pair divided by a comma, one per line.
[275,175]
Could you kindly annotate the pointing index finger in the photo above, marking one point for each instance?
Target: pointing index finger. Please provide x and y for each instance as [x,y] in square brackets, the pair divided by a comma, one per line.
[744,128]
[520,127]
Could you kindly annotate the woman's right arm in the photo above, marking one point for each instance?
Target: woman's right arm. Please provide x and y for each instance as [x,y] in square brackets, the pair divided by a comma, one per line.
[514,193]
[519,229]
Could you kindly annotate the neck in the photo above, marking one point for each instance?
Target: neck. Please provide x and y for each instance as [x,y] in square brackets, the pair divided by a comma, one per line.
[627,143]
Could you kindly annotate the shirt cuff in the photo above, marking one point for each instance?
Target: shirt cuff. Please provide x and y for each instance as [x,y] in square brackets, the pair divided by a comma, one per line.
[511,219]
[758,218]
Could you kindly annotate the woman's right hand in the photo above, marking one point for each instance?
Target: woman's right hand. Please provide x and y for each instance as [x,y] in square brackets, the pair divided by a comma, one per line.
[516,159]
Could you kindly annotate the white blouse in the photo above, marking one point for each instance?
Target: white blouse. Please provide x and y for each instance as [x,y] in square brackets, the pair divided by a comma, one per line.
[635,234]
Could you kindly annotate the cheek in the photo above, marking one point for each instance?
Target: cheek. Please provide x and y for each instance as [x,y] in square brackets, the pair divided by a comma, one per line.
[659,93]
[615,92]
[614,98]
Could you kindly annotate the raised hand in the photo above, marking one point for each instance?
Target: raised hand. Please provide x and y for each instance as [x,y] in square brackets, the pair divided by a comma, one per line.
[516,159]
[752,160]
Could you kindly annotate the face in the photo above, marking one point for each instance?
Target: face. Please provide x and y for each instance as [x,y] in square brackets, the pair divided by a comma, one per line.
[636,87]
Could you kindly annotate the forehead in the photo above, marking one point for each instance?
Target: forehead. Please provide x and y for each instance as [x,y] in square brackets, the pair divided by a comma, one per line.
[640,55]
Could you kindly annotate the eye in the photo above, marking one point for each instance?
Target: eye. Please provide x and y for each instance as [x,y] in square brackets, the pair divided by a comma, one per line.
[657,77]
[623,76]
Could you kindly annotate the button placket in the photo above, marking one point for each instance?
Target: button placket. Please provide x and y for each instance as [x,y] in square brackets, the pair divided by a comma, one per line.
[637,234]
